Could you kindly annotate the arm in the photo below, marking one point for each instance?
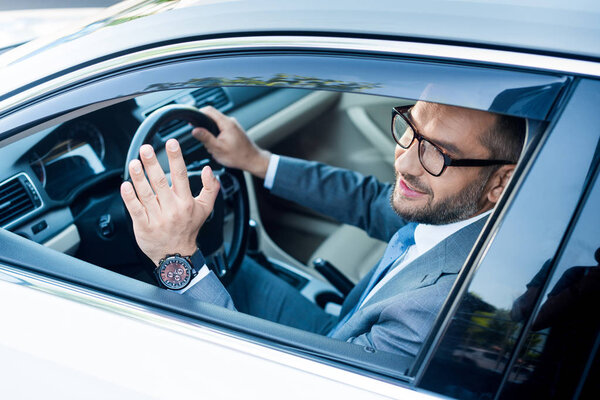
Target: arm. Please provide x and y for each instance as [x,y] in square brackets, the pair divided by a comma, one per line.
[347,196]
[344,195]
[210,290]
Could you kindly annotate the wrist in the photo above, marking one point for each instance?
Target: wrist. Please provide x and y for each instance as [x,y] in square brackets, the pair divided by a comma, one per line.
[260,163]
[185,251]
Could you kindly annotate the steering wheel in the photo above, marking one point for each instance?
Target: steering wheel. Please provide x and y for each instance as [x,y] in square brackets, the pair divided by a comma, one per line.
[231,203]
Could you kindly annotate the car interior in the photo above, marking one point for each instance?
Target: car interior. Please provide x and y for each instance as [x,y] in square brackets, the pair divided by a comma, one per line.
[60,186]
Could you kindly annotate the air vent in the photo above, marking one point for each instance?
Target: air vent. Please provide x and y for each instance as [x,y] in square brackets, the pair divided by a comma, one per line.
[17,198]
[214,96]
[171,126]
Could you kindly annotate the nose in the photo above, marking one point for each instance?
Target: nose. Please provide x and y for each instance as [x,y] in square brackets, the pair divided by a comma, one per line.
[407,160]
[398,151]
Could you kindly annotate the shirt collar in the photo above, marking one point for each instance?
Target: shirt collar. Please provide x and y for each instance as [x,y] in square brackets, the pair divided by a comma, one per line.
[427,236]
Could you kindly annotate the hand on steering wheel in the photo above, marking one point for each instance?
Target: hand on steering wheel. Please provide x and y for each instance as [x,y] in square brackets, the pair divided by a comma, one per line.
[166,222]
[232,148]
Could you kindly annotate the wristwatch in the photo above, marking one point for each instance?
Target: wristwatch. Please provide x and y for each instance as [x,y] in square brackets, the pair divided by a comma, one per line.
[175,271]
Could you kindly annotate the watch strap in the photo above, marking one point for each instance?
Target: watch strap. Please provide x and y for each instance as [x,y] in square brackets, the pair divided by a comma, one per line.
[197,261]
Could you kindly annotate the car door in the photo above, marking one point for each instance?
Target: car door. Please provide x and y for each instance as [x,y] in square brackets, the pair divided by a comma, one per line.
[542,97]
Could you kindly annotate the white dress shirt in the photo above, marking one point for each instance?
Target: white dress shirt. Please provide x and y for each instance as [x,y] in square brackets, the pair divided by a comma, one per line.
[271,170]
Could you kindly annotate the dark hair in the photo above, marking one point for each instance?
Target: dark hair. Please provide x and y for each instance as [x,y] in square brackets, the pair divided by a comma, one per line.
[505,138]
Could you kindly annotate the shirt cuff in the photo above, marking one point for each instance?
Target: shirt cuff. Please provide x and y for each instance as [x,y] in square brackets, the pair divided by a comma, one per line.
[201,274]
[271,171]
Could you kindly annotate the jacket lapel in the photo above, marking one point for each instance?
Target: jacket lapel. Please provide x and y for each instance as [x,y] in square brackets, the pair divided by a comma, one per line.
[447,257]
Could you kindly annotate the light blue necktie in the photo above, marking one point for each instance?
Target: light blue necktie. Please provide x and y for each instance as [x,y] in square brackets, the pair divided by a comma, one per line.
[399,243]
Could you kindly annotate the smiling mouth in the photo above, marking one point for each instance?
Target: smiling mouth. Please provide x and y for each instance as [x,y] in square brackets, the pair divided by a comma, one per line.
[408,190]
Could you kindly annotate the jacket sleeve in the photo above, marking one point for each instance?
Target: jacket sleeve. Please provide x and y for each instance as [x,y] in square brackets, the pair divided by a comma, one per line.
[344,195]
[210,290]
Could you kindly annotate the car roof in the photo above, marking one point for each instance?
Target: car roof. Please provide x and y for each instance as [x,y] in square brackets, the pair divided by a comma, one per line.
[570,29]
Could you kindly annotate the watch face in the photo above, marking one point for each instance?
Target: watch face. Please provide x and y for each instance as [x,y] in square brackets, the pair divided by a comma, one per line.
[175,273]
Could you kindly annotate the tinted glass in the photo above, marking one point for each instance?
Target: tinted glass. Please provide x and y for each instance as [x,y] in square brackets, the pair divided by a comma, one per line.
[504,91]
[561,338]
[478,343]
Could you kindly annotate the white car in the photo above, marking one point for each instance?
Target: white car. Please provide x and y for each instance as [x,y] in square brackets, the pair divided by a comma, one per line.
[82,316]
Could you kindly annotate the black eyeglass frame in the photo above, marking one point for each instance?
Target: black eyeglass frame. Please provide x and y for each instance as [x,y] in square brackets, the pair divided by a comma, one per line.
[403,112]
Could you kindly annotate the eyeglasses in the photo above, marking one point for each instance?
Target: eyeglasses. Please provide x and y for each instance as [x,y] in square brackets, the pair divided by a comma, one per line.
[433,159]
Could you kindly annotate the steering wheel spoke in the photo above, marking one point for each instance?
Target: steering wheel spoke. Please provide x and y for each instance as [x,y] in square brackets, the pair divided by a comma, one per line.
[230,185]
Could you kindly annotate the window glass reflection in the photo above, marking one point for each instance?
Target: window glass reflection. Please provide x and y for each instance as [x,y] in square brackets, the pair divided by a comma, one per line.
[473,355]
[565,327]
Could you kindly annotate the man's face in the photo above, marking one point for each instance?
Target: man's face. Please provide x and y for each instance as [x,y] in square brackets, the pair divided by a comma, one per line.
[459,192]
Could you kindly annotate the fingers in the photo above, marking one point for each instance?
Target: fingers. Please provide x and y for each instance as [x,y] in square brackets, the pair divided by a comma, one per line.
[133,205]
[157,177]
[223,123]
[142,187]
[220,119]
[209,191]
[205,137]
[179,176]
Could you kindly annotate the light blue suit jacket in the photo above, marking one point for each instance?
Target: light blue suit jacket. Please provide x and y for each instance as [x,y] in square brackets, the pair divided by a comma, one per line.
[398,317]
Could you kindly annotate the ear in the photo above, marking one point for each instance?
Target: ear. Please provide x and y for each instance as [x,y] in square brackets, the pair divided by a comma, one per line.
[498,182]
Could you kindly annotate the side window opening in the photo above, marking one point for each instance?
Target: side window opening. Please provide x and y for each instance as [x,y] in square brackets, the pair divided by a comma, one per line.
[559,356]
[356,150]
[347,132]
[470,357]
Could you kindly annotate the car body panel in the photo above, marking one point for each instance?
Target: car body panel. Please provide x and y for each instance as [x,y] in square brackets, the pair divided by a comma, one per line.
[137,340]
[21,26]
[143,24]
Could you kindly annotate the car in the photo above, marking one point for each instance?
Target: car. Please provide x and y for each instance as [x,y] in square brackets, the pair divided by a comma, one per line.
[23,23]
[82,314]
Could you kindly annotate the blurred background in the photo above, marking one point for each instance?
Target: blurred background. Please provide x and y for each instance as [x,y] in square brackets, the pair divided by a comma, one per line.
[23,20]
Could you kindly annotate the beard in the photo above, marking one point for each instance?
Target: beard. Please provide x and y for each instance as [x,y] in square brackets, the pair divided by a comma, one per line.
[454,208]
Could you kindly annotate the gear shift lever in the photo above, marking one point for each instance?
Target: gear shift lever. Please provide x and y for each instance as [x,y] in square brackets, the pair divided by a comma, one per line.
[254,244]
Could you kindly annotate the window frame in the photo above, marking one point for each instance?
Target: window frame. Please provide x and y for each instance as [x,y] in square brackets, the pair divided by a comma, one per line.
[592,183]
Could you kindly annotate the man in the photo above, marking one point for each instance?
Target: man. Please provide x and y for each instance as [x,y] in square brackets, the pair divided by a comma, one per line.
[451,165]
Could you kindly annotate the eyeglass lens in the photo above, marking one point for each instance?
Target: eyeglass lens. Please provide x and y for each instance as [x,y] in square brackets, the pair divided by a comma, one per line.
[431,158]
[403,133]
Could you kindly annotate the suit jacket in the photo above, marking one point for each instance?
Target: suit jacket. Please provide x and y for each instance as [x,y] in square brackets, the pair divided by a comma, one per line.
[398,316]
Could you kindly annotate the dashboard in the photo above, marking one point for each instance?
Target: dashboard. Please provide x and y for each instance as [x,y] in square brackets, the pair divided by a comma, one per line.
[60,185]
[72,154]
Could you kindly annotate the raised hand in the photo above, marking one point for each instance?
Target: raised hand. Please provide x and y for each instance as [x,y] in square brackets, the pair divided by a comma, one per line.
[166,219]
[232,148]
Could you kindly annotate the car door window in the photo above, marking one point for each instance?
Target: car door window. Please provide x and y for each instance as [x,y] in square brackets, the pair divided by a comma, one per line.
[560,344]
[482,333]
